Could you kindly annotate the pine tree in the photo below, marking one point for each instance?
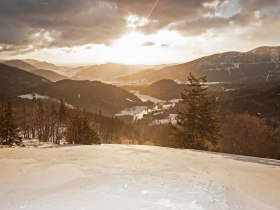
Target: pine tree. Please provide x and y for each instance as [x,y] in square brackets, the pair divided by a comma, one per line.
[197,122]
[62,114]
[8,130]
[39,120]
[101,126]
[22,122]
[53,122]
[79,131]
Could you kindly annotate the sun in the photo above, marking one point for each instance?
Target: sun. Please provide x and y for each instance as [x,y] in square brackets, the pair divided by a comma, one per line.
[130,41]
[138,48]
[130,48]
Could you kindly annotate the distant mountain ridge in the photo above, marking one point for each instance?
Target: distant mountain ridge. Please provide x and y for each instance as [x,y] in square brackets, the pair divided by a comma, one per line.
[44,69]
[104,72]
[20,64]
[50,75]
[14,80]
[42,64]
[258,65]
[165,89]
[90,95]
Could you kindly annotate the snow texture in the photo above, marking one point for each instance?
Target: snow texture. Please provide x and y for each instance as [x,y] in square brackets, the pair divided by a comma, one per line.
[126,177]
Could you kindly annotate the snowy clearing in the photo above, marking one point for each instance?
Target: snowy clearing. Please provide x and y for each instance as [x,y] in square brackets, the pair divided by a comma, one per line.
[138,112]
[145,98]
[38,96]
[32,96]
[134,177]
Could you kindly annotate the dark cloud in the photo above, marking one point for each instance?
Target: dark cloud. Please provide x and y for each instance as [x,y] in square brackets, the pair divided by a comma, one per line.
[55,23]
[166,12]
[201,25]
[164,45]
[13,32]
[66,22]
[147,44]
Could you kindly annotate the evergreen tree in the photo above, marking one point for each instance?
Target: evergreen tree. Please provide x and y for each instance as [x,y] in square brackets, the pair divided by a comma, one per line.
[61,121]
[22,122]
[62,114]
[79,131]
[197,122]
[53,122]
[39,120]
[8,130]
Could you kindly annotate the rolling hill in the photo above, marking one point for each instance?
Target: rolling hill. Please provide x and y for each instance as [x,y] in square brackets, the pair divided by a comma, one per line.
[165,89]
[103,72]
[259,99]
[258,65]
[42,64]
[50,75]
[140,76]
[14,80]
[20,64]
[90,95]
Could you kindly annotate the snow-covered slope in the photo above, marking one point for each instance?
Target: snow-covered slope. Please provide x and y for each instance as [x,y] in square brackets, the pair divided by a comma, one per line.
[120,177]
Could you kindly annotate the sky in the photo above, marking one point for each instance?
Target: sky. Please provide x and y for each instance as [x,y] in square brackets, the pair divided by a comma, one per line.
[71,32]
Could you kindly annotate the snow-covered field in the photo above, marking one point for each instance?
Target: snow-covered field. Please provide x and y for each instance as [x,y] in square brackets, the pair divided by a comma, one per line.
[120,177]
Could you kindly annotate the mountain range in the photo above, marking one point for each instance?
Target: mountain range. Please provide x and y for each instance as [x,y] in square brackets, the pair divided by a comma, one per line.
[240,76]
[42,64]
[20,64]
[104,72]
[14,80]
[90,95]
[50,71]
[258,65]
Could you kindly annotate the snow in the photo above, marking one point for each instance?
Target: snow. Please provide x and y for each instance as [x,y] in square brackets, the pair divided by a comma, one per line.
[170,119]
[129,100]
[138,112]
[125,177]
[31,96]
[229,89]
[145,98]
[38,96]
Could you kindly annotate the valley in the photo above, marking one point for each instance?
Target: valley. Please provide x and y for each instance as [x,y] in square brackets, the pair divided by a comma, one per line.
[136,94]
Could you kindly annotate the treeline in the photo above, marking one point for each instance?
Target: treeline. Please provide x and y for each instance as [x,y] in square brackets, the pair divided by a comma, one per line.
[245,134]
[43,120]
[49,121]
[199,126]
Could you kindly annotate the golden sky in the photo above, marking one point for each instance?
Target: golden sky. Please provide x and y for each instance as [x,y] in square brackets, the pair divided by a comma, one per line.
[134,32]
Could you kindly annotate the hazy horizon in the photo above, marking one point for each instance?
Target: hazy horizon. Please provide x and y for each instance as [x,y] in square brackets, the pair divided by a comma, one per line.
[75,65]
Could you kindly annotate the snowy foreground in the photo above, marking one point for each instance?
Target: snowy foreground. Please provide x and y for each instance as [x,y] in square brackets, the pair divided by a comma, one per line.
[120,177]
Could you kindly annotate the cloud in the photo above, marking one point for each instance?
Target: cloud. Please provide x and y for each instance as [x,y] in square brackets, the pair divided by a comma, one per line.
[148,44]
[68,22]
[30,24]
[200,25]
[164,45]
